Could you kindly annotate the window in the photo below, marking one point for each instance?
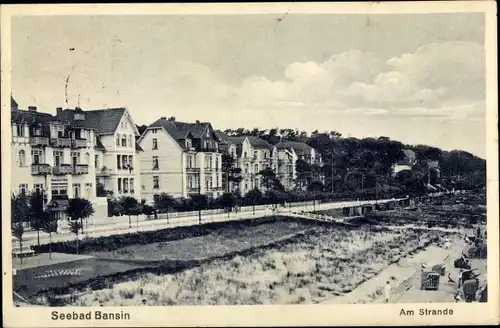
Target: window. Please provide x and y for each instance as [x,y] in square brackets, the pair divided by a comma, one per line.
[87,158]
[256,168]
[155,163]
[245,155]
[76,190]
[124,162]
[118,162]
[131,162]
[88,189]
[155,144]
[58,157]
[131,185]
[217,163]
[119,185]
[204,144]
[190,181]
[59,188]
[20,130]
[118,140]
[22,158]
[255,155]
[36,156]
[23,188]
[125,185]
[154,131]
[38,187]
[75,157]
[156,182]
[246,168]
[124,140]
[189,162]
[189,143]
[96,161]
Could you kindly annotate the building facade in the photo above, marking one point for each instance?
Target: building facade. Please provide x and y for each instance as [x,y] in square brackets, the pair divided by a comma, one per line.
[64,156]
[180,159]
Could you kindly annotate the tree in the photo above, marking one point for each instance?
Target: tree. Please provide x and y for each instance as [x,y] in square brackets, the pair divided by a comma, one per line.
[199,201]
[164,202]
[269,179]
[227,200]
[50,225]
[129,206]
[79,209]
[37,214]
[74,227]
[253,196]
[19,216]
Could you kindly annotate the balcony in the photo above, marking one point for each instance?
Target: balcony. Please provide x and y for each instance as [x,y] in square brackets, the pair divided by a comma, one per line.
[39,141]
[209,170]
[79,143]
[192,170]
[192,190]
[62,169]
[81,169]
[60,142]
[40,169]
[104,172]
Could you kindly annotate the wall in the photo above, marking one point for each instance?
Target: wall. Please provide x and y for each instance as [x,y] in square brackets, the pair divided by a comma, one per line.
[171,162]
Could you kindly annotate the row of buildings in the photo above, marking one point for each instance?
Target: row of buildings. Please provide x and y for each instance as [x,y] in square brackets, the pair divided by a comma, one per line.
[98,154]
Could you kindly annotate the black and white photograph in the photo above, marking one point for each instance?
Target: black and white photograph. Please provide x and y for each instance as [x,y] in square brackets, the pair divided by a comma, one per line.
[277,158]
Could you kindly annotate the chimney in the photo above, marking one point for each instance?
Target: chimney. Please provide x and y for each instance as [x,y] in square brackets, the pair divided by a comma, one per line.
[163,118]
[58,110]
[172,118]
[197,122]
[32,108]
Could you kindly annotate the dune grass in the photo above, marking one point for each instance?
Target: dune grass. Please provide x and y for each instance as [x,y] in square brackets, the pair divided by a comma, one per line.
[318,265]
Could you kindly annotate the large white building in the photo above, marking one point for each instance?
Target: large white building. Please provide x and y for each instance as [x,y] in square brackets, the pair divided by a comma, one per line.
[88,154]
[180,159]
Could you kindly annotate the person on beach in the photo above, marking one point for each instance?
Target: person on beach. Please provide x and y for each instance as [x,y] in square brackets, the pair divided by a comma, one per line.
[387,290]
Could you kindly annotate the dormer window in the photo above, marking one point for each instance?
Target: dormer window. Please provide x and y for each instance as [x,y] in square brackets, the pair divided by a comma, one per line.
[79,117]
[189,143]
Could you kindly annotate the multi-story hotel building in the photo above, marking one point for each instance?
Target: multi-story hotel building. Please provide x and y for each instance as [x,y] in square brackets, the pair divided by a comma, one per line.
[252,156]
[74,154]
[180,159]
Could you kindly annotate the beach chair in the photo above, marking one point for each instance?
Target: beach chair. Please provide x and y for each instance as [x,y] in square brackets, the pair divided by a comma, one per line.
[429,280]
[470,289]
[439,268]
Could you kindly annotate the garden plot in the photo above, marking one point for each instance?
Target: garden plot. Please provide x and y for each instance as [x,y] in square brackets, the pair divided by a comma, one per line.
[309,268]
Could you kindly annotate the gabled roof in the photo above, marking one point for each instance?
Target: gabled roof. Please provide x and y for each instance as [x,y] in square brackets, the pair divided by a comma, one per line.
[179,130]
[258,143]
[182,130]
[223,138]
[30,117]
[102,121]
[99,144]
[409,153]
[13,103]
[300,148]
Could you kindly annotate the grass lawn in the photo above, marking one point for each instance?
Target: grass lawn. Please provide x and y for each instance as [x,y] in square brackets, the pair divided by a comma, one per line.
[317,265]
[219,243]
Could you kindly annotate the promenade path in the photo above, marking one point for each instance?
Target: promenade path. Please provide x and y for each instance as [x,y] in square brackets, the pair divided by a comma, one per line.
[120,225]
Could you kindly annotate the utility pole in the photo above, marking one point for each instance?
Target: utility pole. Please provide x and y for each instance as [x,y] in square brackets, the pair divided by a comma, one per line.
[332,172]
[199,196]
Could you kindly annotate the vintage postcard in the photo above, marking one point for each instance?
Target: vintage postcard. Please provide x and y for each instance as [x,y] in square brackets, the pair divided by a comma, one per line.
[280,164]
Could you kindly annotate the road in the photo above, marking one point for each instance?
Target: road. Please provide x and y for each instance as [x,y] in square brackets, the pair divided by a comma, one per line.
[120,225]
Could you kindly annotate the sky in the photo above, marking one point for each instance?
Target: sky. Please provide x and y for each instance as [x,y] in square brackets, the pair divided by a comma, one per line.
[416,78]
